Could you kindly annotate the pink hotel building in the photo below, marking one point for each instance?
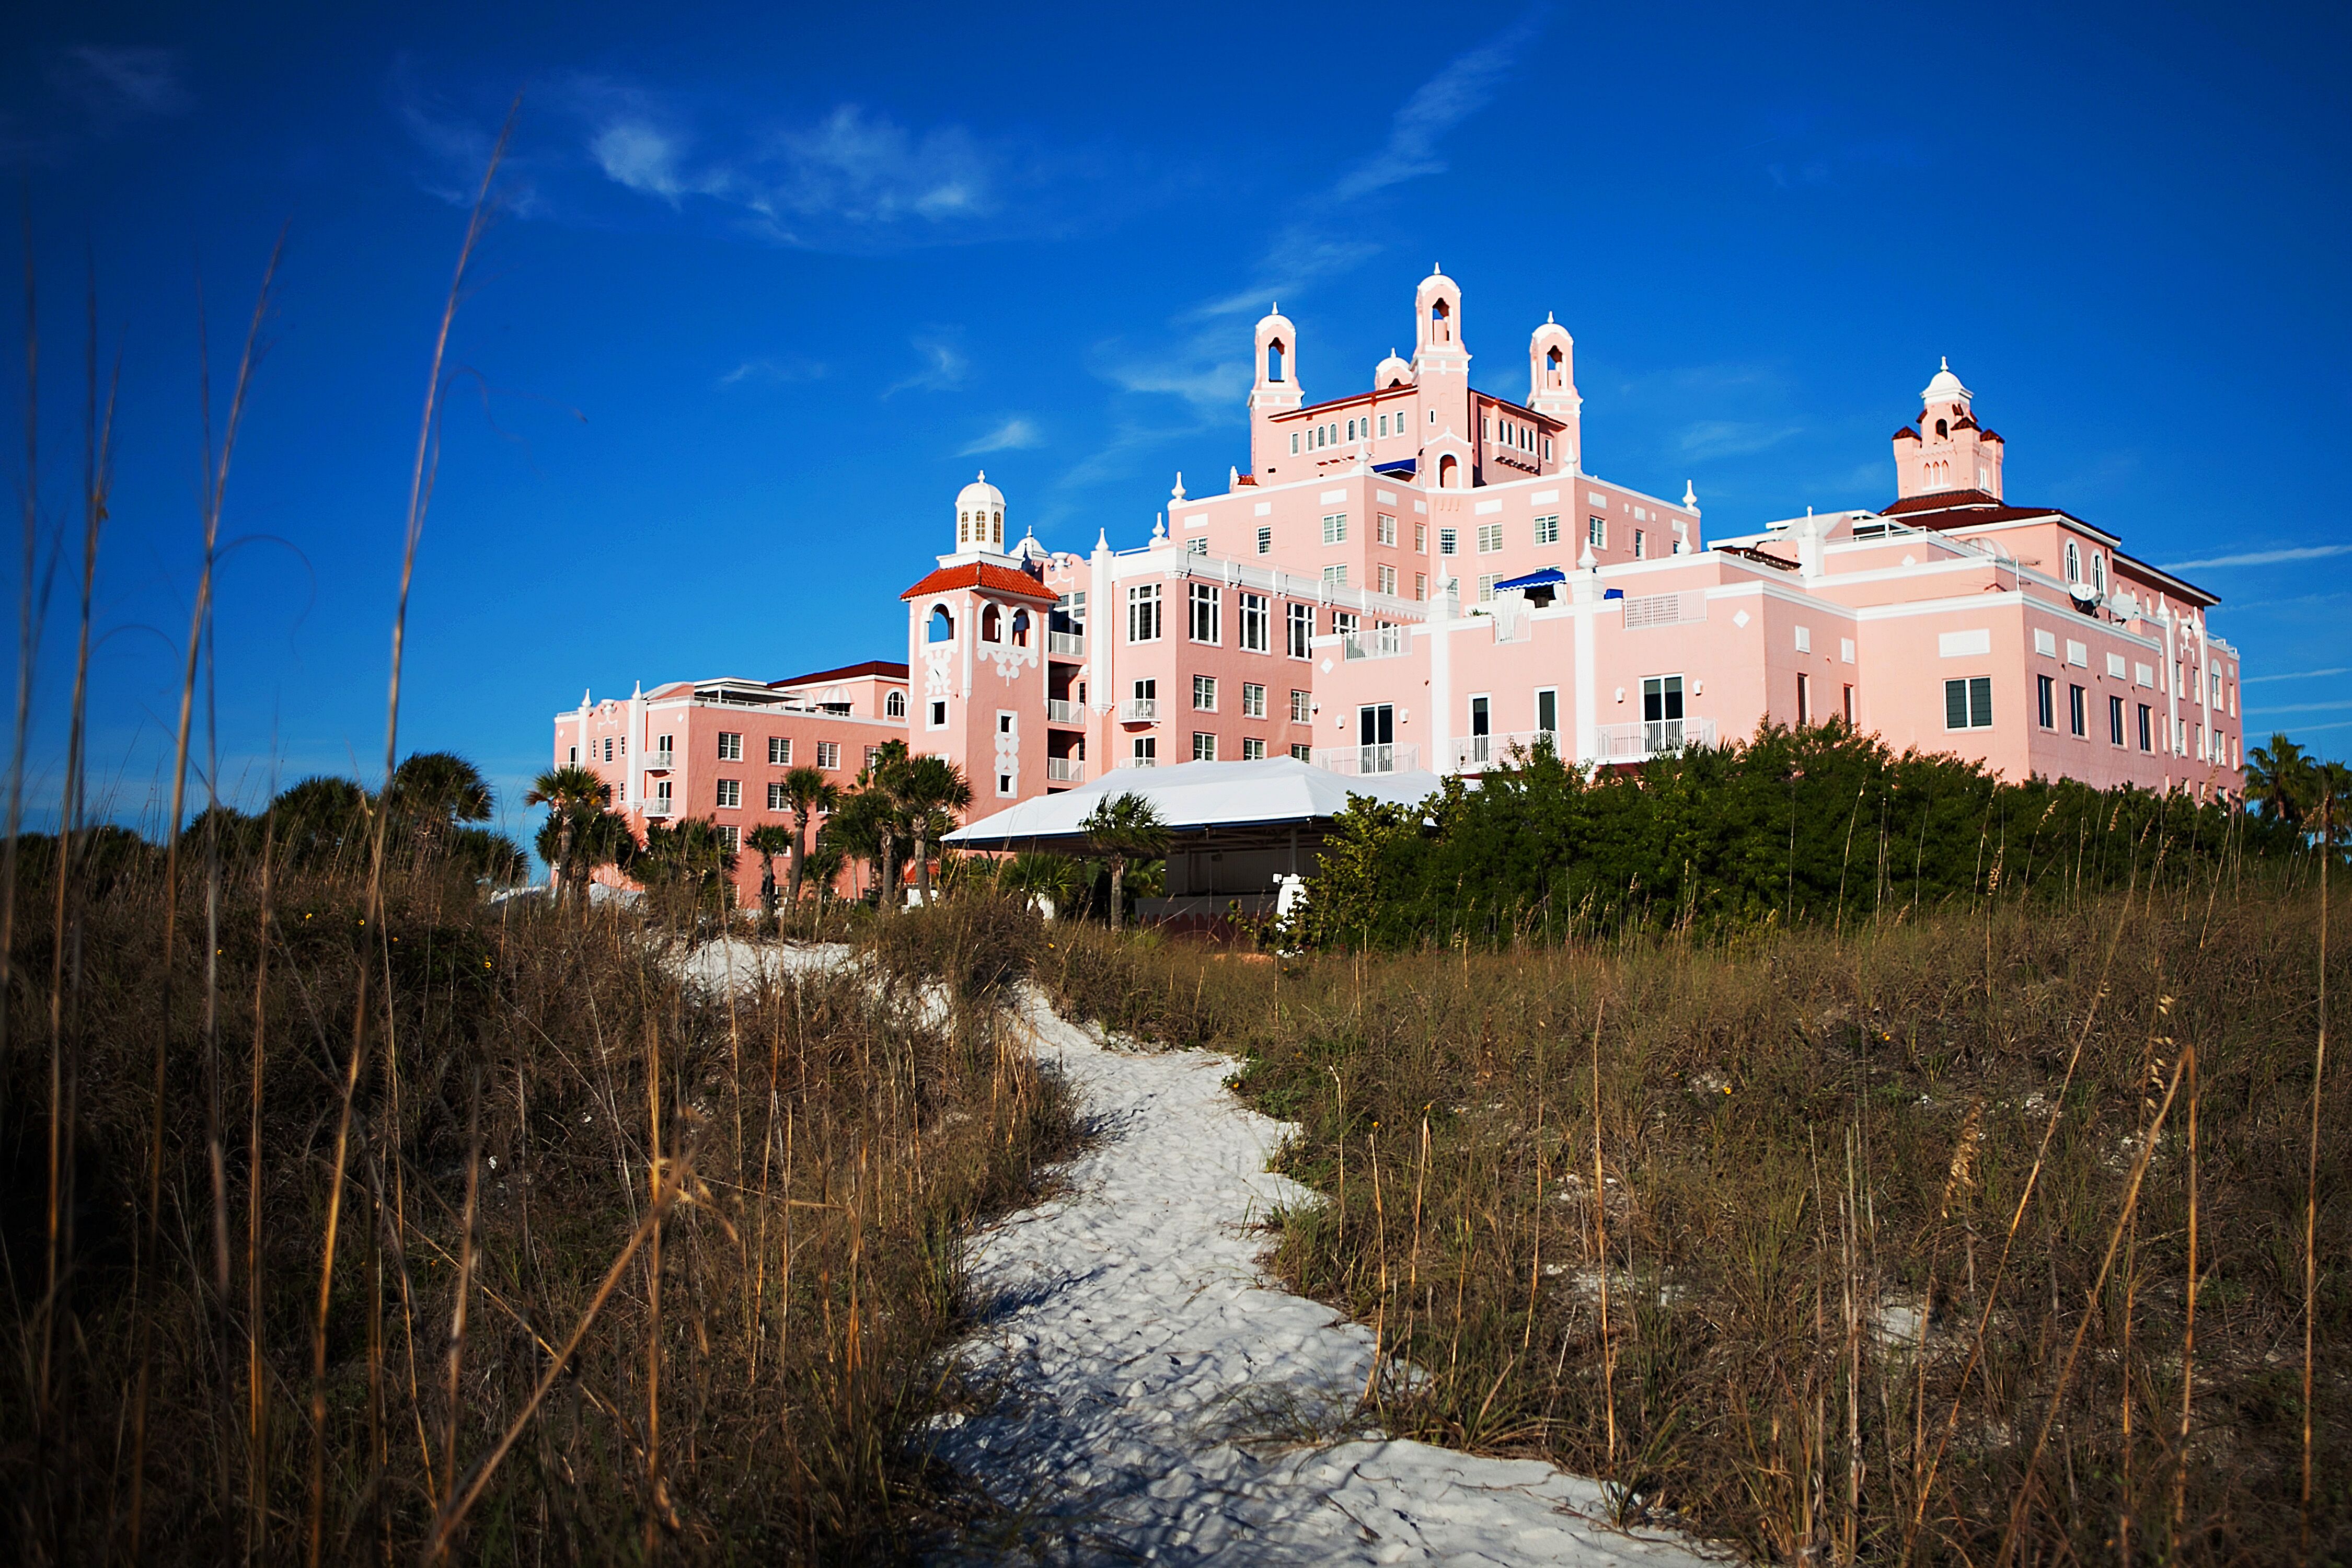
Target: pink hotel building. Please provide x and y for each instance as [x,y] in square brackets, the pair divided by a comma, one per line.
[1421,575]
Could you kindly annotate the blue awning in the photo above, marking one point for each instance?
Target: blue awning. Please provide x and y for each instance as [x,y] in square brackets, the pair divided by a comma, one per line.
[1547,578]
[1400,469]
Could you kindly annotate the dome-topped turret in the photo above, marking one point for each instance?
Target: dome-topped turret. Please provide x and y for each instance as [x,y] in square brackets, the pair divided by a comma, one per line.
[980,516]
[1946,387]
[1393,371]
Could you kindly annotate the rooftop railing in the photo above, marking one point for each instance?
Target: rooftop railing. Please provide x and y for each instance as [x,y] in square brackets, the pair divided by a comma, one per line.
[1367,760]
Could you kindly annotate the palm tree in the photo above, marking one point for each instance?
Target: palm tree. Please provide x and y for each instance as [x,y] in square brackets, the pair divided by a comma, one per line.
[929,789]
[440,789]
[882,785]
[572,794]
[1121,828]
[807,792]
[2280,778]
[825,863]
[690,856]
[321,820]
[767,841]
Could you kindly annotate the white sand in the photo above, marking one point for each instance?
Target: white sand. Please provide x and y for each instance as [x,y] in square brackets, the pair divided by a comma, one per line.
[1156,1399]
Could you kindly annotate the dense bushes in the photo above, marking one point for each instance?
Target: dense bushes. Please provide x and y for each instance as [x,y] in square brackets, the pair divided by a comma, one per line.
[1792,826]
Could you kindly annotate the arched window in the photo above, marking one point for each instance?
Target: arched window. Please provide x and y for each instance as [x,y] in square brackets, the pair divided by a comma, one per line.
[1273,352]
[2074,562]
[1551,363]
[1942,430]
[997,528]
[992,624]
[1441,325]
[894,706]
[2098,572]
[963,528]
[943,624]
[1449,473]
[1020,628]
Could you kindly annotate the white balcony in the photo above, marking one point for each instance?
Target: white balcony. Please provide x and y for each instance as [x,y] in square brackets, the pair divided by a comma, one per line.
[660,805]
[1140,711]
[1362,761]
[1475,754]
[1655,738]
[658,761]
[1066,770]
[1060,712]
[1380,642]
[1073,644]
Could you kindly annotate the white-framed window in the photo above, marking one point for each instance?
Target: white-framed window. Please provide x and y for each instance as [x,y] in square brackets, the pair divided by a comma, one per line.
[1486,585]
[1445,542]
[1596,533]
[1204,746]
[2074,562]
[1968,702]
[1294,443]
[776,801]
[1197,546]
[938,711]
[1204,693]
[893,705]
[872,753]
[730,746]
[828,756]
[1256,623]
[2099,577]
[1385,577]
[1490,538]
[1266,542]
[573,754]
[1005,725]
[1143,613]
[1335,528]
[1343,623]
[1302,707]
[1420,586]
[1420,539]
[661,797]
[1641,545]
[1336,577]
[1547,448]
[2045,703]
[1300,627]
[1303,753]
[608,748]
[1146,751]
[780,748]
[1253,750]
[1208,613]
[730,838]
[1384,528]
[1253,700]
[1548,530]
[731,793]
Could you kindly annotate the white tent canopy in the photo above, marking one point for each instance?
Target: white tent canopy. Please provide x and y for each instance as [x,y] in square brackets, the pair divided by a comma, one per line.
[1195,797]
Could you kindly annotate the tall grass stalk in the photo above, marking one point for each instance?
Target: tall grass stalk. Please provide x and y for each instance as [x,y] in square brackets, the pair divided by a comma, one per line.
[2311,1173]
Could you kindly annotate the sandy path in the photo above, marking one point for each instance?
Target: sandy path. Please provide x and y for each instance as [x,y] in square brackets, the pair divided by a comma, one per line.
[1158,1401]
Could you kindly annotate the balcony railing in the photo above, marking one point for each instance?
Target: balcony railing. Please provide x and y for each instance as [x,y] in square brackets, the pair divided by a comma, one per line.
[658,761]
[1066,770]
[1652,738]
[1362,761]
[660,805]
[1074,643]
[1140,711]
[1380,642]
[1060,712]
[1474,754]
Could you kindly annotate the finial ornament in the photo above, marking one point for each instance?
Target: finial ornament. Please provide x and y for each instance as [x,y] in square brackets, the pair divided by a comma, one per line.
[1942,362]
[1158,527]
[1588,560]
[1690,497]
[1178,493]
[1550,320]
[1434,269]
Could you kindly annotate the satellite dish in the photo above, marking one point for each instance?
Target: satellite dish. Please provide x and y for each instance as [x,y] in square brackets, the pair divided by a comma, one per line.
[2085,596]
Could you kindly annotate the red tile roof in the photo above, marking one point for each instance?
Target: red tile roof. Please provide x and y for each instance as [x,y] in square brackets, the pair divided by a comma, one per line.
[986,577]
[886,669]
[1906,431]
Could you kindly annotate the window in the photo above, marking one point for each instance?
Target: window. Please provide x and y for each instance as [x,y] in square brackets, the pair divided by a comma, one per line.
[779,747]
[776,801]
[1385,578]
[661,798]
[1301,619]
[1486,586]
[2074,717]
[2115,720]
[828,755]
[1204,693]
[1253,751]
[1548,530]
[1968,702]
[1004,727]
[1335,529]
[1258,624]
[1490,538]
[624,747]
[573,753]
[1420,539]
[1596,533]
[1384,529]
[2098,572]
[731,793]
[1804,639]
[1547,448]
[1197,546]
[2146,733]
[1420,586]
[1343,624]
[1143,613]
[942,626]
[871,752]
[1147,691]
[1294,443]
[1662,712]
[1303,753]
[1253,700]
[1204,746]
[608,748]
[1336,577]
[1848,705]
[1548,711]
[731,838]
[1445,542]
[1302,707]
[1146,747]
[2074,562]
[730,746]
[1266,542]
[940,714]
[991,624]
[2045,702]
[1804,697]
[893,705]
[1006,784]
[1208,605]
[1641,545]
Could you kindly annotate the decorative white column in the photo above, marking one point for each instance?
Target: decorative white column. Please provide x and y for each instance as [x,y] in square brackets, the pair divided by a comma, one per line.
[1584,593]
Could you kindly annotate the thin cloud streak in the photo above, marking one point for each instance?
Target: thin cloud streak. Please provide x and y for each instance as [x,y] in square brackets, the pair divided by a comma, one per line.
[2295,675]
[943,369]
[1014,435]
[773,369]
[2298,708]
[2263,557]
[1463,87]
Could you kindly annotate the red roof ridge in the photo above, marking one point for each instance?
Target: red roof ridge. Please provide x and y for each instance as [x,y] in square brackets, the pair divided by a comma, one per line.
[889,669]
[987,577]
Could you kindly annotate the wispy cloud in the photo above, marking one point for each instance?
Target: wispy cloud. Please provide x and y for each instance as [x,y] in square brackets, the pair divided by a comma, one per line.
[114,84]
[943,368]
[2263,557]
[773,369]
[1015,434]
[1461,89]
[2294,675]
[2299,708]
[1710,438]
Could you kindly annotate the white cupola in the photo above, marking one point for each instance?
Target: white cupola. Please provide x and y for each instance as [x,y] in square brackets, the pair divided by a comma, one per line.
[1393,371]
[980,516]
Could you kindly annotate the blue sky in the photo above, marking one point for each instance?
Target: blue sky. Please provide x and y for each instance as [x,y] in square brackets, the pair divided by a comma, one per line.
[766,287]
